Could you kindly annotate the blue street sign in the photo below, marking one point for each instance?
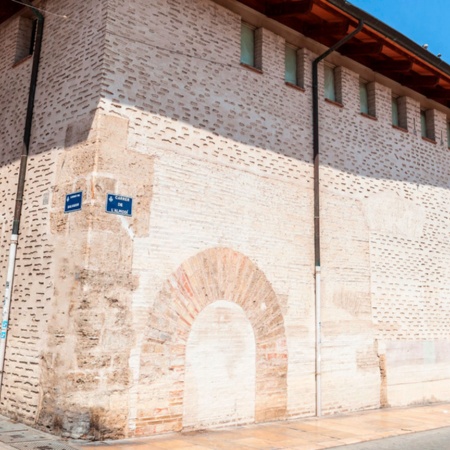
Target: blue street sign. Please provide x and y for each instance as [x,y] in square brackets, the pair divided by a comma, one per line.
[118,204]
[73,202]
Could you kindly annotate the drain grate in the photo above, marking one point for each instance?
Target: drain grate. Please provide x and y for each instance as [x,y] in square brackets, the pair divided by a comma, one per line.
[42,445]
[22,436]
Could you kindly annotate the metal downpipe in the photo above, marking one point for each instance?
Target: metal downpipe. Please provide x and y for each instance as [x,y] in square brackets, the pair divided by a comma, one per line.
[317,272]
[20,191]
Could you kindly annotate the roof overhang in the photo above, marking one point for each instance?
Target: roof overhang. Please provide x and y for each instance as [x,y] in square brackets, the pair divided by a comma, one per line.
[377,46]
[8,8]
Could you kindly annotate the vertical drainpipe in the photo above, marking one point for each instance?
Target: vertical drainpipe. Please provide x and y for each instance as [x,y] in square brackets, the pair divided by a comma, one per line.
[316,148]
[20,190]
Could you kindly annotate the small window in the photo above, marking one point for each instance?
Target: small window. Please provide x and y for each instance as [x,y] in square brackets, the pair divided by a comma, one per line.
[291,64]
[247,45]
[395,112]
[400,115]
[25,38]
[367,99]
[448,134]
[330,83]
[423,123]
[427,124]
[363,97]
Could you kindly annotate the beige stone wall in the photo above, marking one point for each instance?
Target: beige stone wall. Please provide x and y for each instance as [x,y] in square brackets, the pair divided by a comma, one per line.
[86,361]
[153,104]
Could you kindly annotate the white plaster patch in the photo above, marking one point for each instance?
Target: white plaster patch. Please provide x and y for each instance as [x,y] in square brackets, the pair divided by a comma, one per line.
[220,368]
[388,213]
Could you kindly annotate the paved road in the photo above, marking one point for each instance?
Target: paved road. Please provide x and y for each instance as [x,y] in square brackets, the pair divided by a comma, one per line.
[428,440]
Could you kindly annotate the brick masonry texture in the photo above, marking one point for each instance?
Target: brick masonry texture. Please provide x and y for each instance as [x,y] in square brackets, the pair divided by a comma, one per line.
[112,315]
[68,57]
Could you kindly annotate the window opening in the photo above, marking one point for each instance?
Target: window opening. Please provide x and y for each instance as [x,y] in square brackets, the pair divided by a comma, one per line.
[291,64]
[395,112]
[423,123]
[427,124]
[330,83]
[448,134]
[363,97]
[247,44]
[25,38]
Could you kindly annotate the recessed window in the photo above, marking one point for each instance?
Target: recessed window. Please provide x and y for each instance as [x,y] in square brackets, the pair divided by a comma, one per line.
[294,66]
[400,112]
[363,97]
[251,46]
[330,83]
[367,99]
[333,83]
[427,124]
[395,112]
[25,38]
[291,65]
[247,44]
[423,123]
[448,134]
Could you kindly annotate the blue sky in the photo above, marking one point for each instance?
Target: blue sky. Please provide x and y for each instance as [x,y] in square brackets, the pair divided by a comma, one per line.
[423,21]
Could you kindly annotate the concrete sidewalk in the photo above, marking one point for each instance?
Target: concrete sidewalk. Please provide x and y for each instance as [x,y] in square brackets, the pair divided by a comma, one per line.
[306,434]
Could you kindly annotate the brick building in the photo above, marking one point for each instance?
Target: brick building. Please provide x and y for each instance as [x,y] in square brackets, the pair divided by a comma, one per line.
[223,298]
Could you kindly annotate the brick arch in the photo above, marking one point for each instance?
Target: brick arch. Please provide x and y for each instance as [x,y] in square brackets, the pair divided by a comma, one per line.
[220,274]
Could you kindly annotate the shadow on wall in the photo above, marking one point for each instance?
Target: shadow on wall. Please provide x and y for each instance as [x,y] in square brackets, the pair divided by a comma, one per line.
[200,99]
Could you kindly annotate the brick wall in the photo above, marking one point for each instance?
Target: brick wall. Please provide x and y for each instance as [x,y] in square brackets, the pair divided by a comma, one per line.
[68,91]
[397,184]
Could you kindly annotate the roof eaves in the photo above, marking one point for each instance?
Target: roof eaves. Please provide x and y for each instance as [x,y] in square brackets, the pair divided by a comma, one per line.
[392,34]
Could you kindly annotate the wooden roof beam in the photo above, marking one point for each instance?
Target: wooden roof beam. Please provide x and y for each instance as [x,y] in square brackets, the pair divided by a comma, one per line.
[417,81]
[326,29]
[361,49]
[287,9]
[440,95]
[403,65]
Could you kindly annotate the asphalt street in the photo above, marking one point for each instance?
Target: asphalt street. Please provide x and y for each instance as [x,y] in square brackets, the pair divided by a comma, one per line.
[428,440]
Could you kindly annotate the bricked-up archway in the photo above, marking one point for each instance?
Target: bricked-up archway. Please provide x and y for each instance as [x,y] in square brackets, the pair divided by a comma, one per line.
[220,368]
[215,274]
